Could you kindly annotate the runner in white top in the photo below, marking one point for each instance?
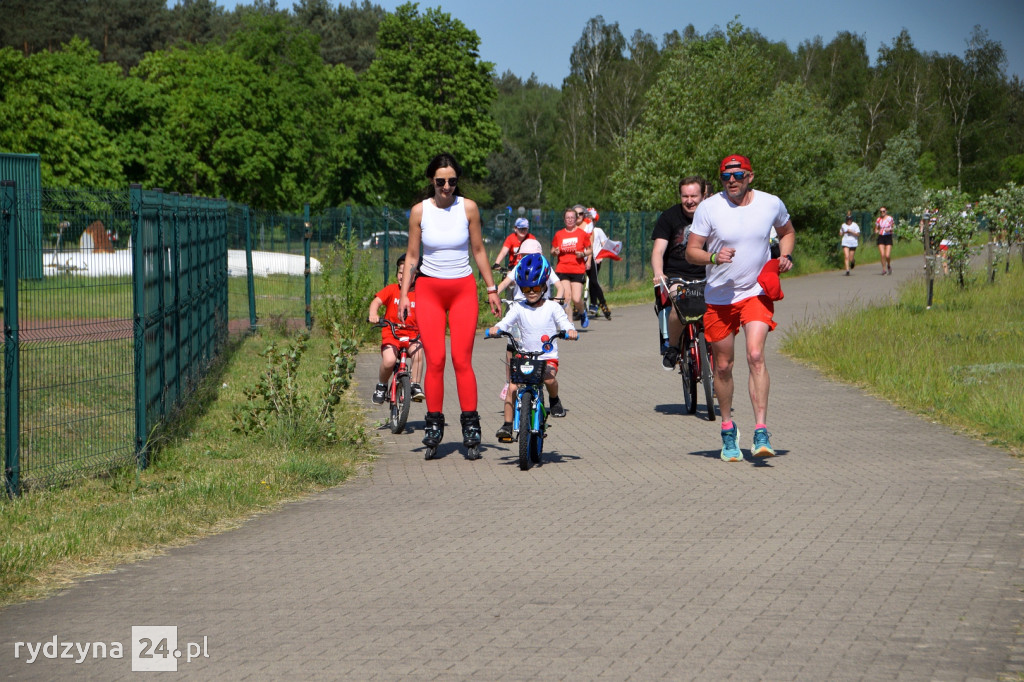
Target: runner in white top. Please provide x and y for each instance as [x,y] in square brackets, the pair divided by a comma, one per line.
[735,226]
[747,230]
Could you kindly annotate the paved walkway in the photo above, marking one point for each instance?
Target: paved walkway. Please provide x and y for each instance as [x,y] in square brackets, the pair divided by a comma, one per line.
[876,546]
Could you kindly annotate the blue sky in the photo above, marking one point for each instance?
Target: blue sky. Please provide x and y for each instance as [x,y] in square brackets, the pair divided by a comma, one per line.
[536,36]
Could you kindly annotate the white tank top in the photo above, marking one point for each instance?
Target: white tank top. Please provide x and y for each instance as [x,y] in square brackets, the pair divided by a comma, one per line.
[444,240]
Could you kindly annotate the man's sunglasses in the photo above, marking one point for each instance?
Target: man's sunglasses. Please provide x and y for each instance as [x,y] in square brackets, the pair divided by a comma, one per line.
[440,182]
[533,290]
[735,175]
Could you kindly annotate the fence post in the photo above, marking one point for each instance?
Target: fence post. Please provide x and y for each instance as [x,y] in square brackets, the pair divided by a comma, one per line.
[12,420]
[138,310]
[307,236]
[162,276]
[179,385]
[249,282]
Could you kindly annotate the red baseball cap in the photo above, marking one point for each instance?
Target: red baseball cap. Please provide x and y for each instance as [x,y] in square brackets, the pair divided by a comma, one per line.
[735,161]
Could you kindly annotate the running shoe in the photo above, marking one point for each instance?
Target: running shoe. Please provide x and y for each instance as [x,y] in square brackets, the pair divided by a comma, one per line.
[607,312]
[417,393]
[504,434]
[378,394]
[730,450]
[584,320]
[762,447]
[557,410]
[890,269]
[670,358]
[592,311]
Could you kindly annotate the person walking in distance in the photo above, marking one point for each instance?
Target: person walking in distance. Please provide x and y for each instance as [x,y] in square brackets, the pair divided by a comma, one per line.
[884,226]
[849,233]
[730,237]
[668,258]
[444,229]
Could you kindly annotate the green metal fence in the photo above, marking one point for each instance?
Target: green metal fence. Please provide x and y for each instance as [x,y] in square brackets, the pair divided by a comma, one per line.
[120,299]
[131,307]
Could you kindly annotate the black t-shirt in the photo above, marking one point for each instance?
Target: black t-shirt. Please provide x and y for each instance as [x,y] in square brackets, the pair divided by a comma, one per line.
[674,226]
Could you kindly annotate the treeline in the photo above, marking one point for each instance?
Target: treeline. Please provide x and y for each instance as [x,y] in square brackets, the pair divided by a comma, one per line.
[256,109]
[330,104]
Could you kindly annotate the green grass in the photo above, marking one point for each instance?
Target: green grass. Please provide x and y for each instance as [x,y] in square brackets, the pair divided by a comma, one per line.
[960,363]
[204,478]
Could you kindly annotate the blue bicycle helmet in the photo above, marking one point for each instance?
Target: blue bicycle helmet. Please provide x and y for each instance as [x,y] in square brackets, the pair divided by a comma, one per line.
[532,270]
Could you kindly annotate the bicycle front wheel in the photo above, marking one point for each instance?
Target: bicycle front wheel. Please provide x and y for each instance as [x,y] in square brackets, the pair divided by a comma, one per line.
[525,429]
[688,369]
[707,377]
[400,403]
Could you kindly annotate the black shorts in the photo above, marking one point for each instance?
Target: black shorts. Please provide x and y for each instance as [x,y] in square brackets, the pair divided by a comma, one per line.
[578,277]
[885,239]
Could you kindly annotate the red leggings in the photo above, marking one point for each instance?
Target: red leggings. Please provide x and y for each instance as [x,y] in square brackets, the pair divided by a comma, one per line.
[457,298]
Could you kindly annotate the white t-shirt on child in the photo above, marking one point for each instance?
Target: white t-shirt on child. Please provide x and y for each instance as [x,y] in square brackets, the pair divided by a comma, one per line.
[534,323]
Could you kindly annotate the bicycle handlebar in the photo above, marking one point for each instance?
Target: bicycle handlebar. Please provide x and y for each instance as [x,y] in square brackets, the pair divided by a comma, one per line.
[397,330]
[547,341]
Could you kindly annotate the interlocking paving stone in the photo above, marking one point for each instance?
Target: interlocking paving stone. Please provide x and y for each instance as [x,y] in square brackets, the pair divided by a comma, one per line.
[876,546]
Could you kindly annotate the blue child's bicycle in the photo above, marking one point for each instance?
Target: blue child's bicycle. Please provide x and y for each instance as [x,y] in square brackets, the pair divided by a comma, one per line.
[529,416]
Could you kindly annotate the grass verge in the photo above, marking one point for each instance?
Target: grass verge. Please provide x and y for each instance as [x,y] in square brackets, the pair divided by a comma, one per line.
[204,478]
[960,363]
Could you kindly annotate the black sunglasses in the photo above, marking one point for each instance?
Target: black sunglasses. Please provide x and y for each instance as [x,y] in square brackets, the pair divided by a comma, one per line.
[440,182]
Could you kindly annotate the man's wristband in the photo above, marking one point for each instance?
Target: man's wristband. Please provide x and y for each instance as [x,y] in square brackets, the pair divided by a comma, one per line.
[787,256]
[714,259]
[492,289]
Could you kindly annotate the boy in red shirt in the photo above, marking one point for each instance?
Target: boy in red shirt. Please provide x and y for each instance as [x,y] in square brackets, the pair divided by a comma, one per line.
[512,244]
[571,249]
[389,297]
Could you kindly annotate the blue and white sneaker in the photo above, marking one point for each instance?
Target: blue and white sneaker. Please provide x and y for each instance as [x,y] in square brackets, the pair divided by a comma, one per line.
[584,320]
[730,450]
[762,446]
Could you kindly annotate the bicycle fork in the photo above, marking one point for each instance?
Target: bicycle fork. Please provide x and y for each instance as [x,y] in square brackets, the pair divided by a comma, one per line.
[536,418]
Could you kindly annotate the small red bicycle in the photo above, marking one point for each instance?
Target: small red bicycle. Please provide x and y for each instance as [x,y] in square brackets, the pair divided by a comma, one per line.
[399,393]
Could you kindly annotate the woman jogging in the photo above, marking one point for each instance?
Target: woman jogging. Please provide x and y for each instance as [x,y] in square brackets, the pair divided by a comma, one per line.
[443,229]
[570,249]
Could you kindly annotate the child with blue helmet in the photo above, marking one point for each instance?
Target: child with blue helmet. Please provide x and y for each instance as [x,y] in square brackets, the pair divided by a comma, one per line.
[535,317]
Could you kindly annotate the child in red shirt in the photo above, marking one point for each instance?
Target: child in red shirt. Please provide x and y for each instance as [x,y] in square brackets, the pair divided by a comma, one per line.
[389,297]
[512,244]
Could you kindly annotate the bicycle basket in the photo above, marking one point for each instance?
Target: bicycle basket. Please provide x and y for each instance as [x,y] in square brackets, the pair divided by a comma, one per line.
[690,300]
[526,370]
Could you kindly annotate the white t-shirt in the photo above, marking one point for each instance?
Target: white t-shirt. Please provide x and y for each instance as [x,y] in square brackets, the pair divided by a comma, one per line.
[517,293]
[444,238]
[850,240]
[744,228]
[533,323]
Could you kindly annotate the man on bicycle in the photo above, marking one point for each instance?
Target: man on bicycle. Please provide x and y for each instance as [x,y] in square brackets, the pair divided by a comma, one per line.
[389,345]
[668,259]
[735,225]
[534,318]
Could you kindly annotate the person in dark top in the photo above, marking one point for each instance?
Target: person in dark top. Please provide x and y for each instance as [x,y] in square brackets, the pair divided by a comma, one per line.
[668,260]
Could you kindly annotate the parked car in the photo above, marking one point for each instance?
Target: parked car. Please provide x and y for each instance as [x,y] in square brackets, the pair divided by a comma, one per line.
[394,238]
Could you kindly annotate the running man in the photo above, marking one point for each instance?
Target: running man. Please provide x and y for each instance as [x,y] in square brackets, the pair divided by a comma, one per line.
[736,225]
